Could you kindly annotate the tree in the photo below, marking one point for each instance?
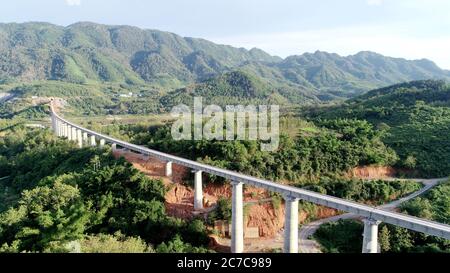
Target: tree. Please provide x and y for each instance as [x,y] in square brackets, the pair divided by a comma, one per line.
[117,243]
[419,207]
[45,216]
[384,238]
[176,245]
[401,240]
[410,162]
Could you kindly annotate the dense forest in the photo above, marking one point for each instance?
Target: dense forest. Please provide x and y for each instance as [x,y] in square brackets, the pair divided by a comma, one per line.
[415,117]
[83,200]
[334,149]
[318,162]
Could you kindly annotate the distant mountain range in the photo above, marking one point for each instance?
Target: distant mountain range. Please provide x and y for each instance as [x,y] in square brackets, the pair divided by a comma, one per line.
[85,53]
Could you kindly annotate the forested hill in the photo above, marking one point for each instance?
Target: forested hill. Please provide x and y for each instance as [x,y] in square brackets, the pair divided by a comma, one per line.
[87,53]
[238,87]
[416,118]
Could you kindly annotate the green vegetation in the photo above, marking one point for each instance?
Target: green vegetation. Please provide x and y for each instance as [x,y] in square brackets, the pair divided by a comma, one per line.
[313,161]
[345,235]
[416,119]
[117,243]
[434,205]
[87,56]
[222,212]
[55,197]
[234,88]
[328,152]
[375,192]
[84,99]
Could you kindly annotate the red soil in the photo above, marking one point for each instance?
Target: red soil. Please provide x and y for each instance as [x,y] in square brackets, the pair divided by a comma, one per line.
[180,197]
[372,172]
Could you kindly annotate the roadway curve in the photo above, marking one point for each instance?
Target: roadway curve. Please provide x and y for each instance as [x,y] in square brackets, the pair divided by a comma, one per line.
[308,245]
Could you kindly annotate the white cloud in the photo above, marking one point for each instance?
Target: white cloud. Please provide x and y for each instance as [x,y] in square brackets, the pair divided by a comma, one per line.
[346,41]
[73,2]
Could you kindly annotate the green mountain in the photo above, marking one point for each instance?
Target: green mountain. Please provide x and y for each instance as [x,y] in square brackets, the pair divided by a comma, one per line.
[86,53]
[238,87]
[347,76]
[416,118]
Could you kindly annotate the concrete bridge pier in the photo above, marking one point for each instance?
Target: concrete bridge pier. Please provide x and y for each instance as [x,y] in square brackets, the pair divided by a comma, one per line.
[198,191]
[102,143]
[370,239]
[64,130]
[69,132]
[291,225]
[60,127]
[85,138]
[237,218]
[168,169]
[74,134]
[93,142]
[54,126]
[79,138]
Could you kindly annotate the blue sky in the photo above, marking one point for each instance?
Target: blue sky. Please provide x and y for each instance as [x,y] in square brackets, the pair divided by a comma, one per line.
[411,29]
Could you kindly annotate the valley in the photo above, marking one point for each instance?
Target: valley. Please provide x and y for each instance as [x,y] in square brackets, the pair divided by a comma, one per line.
[361,127]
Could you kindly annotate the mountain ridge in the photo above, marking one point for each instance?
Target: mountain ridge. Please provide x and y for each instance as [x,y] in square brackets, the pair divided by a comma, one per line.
[87,52]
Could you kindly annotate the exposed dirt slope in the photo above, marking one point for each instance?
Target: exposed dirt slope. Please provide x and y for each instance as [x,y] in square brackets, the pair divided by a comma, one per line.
[372,172]
[180,197]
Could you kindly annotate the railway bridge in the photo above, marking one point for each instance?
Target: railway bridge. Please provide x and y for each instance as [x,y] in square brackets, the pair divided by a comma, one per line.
[372,216]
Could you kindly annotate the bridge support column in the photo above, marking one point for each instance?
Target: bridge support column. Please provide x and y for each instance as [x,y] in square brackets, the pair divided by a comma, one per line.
[85,137]
[93,142]
[53,123]
[102,143]
[79,138]
[69,132]
[291,225]
[63,129]
[60,126]
[198,191]
[113,147]
[168,171]
[237,218]
[56,127]
[74,134]
[370,239]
